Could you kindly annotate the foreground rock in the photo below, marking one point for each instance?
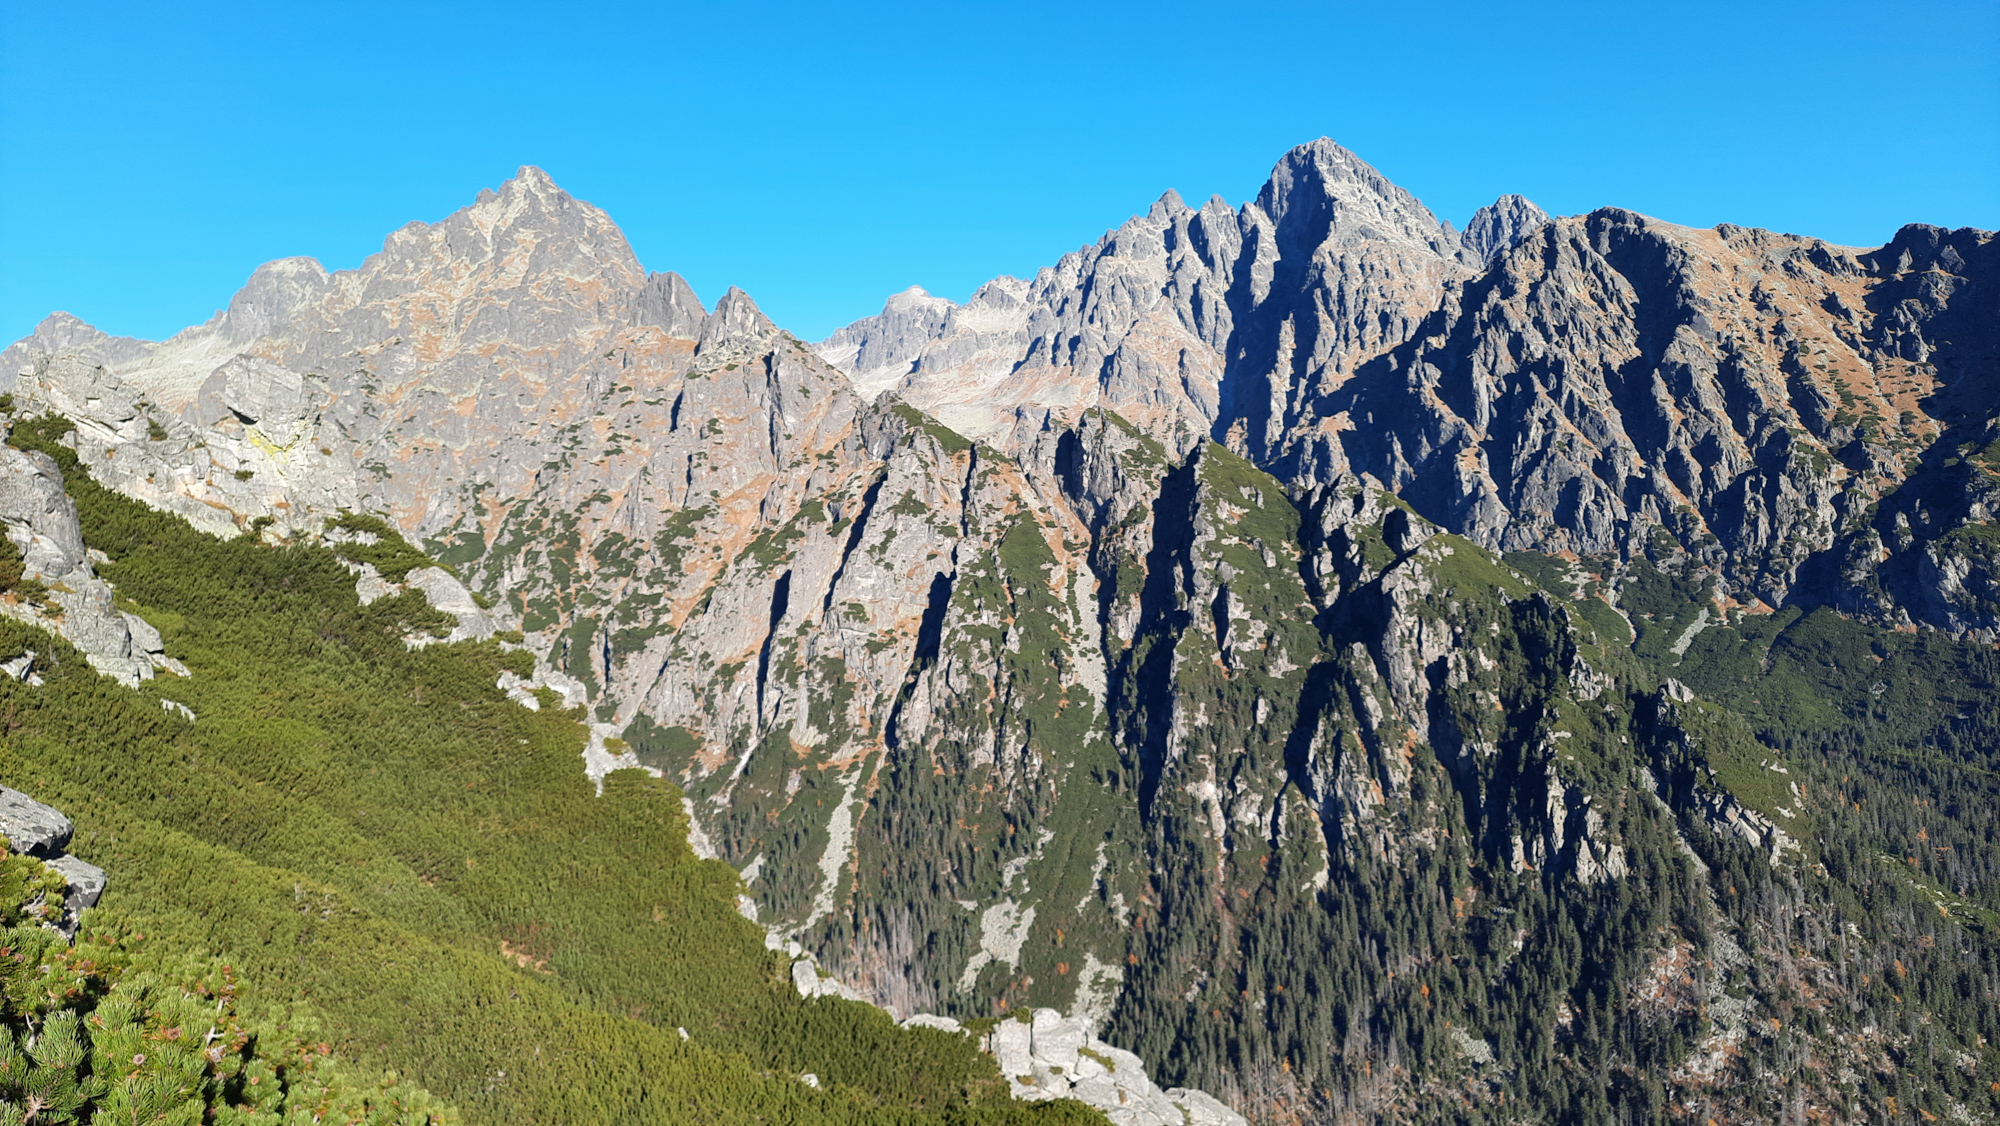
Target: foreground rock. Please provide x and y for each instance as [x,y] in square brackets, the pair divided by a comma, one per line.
[43,832]
[1050,1056]
[31,827]
[1046,1055]
[41,524]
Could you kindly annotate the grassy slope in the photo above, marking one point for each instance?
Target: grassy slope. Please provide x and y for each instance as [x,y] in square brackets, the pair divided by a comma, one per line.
[379,834]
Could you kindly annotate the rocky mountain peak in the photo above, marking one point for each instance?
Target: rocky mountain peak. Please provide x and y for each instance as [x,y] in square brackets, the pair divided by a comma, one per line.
[1321,191]
[276,292]
[915,297]
[1496,228]
[529,190]
[63,334]
[736,319]
[528,231]
[1169,203]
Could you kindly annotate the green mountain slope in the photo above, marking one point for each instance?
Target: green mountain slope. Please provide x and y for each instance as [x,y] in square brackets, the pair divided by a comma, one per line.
[374,838]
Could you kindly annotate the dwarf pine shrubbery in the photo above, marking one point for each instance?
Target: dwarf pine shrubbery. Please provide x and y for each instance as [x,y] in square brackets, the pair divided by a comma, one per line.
[115,1030]
[402,864]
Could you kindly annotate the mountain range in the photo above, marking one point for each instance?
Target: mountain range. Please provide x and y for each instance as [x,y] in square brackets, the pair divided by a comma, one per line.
[1369,670]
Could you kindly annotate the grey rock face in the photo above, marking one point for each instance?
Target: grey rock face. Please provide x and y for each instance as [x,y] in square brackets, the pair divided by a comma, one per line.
[669,302]
[1051,1056]
[32,827]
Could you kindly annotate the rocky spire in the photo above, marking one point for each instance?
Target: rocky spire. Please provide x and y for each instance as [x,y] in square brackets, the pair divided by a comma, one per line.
[736,319]
[1497,228]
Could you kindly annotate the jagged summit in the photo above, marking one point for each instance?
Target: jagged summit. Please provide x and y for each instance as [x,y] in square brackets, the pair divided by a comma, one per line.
[1175,317]
[1495,228]
[1321,190]
[530,178]
[736,319]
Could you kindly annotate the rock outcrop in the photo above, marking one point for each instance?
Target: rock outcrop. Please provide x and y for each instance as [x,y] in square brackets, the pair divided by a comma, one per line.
[43,832]
[41,525]
[31,827]
[1049,1056]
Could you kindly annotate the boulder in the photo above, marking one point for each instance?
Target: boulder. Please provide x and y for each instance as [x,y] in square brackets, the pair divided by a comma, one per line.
[1010,1046]
[1056,1039]
[86,881]
[32,827]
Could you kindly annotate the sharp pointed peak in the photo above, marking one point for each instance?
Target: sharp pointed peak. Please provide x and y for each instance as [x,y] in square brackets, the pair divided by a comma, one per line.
[736,317]
[1169,203]
[532,178]
[1321,183]
[527,183]
[1331,160]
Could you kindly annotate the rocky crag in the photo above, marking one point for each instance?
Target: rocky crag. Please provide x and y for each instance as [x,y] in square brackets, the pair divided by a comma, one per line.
[1367,670]
[41,831]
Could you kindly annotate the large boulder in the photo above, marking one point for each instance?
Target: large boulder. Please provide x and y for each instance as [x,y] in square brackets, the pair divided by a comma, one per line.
[31,827]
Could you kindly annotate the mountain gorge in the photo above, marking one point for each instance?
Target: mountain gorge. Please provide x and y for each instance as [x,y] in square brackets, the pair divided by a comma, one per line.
[1371,671]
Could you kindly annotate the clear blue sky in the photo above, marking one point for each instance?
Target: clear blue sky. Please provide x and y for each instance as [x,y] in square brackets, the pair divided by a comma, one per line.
[823,155]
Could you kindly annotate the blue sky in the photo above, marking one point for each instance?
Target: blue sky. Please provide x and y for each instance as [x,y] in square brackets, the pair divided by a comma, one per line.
[822,156]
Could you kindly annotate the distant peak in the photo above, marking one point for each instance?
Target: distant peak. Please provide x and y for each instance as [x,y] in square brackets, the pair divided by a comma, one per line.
[298,267]
[915,297]
[533,179]
[61,333]
[1169,203]
[736,317]
[1321,186]
[1497,228]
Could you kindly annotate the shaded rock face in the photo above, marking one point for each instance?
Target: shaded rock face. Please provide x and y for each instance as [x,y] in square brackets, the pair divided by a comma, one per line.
[1127,641]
